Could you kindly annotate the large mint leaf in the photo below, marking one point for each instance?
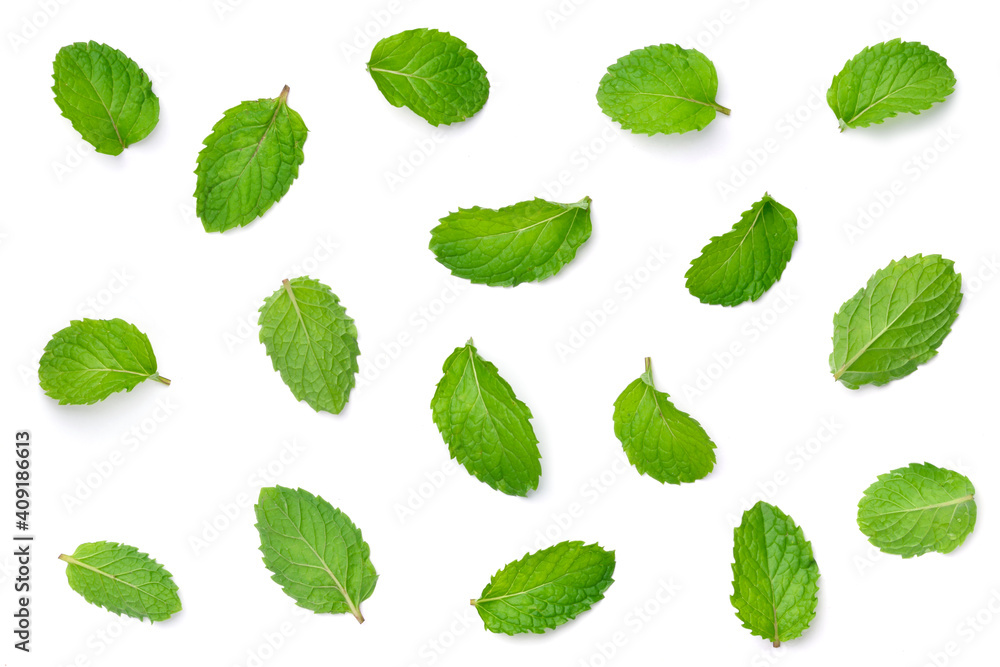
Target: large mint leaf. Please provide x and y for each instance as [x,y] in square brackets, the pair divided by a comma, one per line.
[660,440]
[525,242]
[314,551]
[105,94]
[486,428]
[123,580]
[910,511]
[312,342]
[91,359]
[887,79]
[886,330]
[248,163]
[661,89]
[545,589]
[775,578]
[746,261]
[432,73]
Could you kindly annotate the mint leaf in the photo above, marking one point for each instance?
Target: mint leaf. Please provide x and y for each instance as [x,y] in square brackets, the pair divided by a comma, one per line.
[105,95]
[746,261]
[660,440]
[312,342]
[545,589]
[248,163]
[661,89]
[887,79]
[432,73]
[486,428]
[774,575]
[896,322]
[910,511]
[525,242]
[123,580]
[315,552]
[91,359]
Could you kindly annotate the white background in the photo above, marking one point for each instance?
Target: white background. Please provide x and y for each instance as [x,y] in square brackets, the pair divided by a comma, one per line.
[73,220]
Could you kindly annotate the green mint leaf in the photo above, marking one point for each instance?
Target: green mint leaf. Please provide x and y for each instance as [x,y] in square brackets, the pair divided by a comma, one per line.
[774,575]
[312,343]
[746,261]
[887,79]
[314,551]
[432,73]
[545,589]
[123,580]
[91,359]
[526,242]
[660,440]
[896,322]
[661,89]
[105,95]
[248,163]
[486,428]
[910,511]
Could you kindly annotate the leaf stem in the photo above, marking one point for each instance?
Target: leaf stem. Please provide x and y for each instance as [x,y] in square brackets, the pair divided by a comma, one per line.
[283,97]
[776,643]
[160,378]
[721,109]
[649,365]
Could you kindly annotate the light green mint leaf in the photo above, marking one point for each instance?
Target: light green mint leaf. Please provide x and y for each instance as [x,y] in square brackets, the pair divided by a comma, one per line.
[887,79]
[775,578]
[123,580]
[545,589]
[486,428]
[248,163]
[660,440]
[910,511]
[526,242]
[896,322]
[312,342]
[314,551]
[91,359]
[432,73]
[661,89]
[746,261]
[105,94]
